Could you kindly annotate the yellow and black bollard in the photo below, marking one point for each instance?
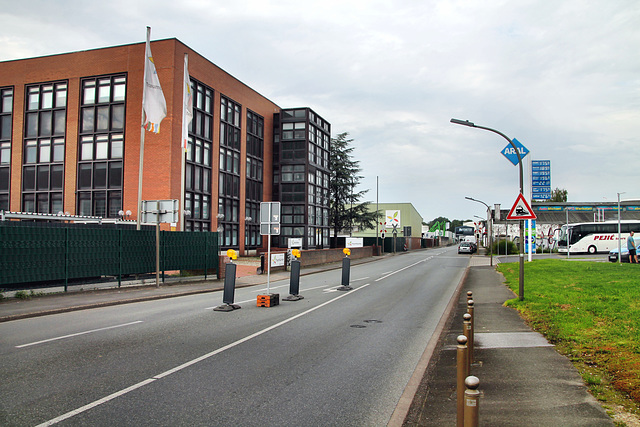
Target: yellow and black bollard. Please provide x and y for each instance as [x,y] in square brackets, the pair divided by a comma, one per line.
[294,282]
[346,271]
[229,284]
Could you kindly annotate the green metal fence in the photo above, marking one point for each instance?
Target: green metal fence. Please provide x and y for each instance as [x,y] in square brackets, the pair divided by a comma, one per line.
[46,254]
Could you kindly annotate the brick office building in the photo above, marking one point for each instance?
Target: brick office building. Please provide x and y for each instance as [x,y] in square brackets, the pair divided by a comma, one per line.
[70,141]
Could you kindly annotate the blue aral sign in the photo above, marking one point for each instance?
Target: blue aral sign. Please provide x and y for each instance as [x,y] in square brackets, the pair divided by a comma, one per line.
[510,153]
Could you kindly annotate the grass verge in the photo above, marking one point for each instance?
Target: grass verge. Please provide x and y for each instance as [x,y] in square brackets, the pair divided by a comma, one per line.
[591,312]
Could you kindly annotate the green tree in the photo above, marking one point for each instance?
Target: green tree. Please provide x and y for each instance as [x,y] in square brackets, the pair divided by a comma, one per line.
[345,208]
[559,195]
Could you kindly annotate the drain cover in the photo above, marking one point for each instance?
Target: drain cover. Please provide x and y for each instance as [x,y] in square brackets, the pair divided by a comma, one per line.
[358,326]
[373,321]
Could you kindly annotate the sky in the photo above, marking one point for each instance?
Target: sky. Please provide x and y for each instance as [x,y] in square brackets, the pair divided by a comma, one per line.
[563,77]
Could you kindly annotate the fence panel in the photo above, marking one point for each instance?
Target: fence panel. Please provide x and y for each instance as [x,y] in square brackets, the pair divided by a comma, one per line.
[31,254]
[93,252]
[138,251]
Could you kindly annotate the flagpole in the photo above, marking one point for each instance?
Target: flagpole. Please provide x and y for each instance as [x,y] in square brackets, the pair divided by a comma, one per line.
[141,168]
[185,135]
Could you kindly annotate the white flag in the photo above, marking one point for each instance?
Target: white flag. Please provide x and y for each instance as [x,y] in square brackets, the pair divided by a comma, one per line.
[187,104]
[153,102]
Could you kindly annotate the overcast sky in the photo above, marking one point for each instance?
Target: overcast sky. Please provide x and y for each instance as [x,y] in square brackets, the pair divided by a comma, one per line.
[563,77]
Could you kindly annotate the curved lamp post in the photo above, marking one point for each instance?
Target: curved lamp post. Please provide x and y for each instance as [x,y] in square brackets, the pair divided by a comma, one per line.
[521,249]
[490,222]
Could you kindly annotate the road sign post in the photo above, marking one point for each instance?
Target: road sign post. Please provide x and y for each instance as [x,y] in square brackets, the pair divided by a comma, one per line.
[269,225]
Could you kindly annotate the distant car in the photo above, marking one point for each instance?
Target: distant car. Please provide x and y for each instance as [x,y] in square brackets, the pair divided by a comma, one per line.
[613,255]
[465,247]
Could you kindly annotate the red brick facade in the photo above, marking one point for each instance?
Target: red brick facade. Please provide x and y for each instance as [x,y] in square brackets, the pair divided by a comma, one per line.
[162,155]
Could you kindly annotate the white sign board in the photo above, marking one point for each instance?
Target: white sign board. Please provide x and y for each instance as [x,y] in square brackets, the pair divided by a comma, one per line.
[295,242]
[354,242]
[392,219]
[270,218]
[277,260]
[159,211]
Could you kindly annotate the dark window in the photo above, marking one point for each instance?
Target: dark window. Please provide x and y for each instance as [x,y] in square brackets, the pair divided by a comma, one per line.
[229,175]
[45,128]
[198,160]
[101,145]
[6,117]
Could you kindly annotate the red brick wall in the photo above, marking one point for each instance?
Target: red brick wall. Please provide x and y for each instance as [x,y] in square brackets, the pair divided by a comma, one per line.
[162,154]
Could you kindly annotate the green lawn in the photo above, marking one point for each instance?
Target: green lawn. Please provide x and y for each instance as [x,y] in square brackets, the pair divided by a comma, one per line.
[591,312]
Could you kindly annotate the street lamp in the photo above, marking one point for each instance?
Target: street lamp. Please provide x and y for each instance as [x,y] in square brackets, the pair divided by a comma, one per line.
[521,249]
[619,244]
[490,222]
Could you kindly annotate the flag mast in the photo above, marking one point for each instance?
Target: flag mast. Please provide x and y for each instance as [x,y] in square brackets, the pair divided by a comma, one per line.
[141,167]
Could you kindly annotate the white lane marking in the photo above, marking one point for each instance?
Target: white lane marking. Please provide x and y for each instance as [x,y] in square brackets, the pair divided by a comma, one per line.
[403,268]
[78,333]
[191,362]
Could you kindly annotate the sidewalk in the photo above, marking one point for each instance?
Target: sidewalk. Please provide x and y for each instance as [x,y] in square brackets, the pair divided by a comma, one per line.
[523,380]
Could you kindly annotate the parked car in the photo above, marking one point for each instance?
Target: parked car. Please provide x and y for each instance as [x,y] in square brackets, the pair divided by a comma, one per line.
[465,247]
[613,254]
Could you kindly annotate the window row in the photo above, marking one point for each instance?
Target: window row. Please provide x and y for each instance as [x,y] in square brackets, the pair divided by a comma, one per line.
[103,118]
[101,147]
[104,90]
[229,161]
[44,150]
[229,111]
[100,175]
[199,205]
[229,185]
[103,203]
[45,123]
[43,178]
[197,178]
[199,151]
[47,202]
[254,169]
[47,96]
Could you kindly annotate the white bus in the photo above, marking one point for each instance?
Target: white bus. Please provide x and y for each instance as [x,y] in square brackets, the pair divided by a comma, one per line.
[594,237]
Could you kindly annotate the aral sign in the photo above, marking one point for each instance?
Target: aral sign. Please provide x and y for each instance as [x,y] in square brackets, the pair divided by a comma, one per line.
[510,153]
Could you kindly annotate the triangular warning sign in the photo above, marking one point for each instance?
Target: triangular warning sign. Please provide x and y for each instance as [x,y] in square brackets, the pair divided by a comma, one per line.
[521,209]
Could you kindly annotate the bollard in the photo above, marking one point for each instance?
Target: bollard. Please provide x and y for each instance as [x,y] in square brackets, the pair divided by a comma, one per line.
[346,271]
[472,330]
[461,369]
[466,327]
[471,401]
[294,282]
[229,287]
[469,295]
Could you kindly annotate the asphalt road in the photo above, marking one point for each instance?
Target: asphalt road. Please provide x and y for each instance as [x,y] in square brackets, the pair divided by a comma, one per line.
[334,358]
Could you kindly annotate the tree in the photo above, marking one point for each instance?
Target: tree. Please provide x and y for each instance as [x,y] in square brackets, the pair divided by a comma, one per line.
[559,195]
[345,208]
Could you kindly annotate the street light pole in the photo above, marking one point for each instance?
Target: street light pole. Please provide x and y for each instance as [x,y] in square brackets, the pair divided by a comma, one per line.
[619,243]
[490,224]
[521,249]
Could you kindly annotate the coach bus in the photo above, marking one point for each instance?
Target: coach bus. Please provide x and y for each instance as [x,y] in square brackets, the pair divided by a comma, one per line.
[464,230]
[594,237]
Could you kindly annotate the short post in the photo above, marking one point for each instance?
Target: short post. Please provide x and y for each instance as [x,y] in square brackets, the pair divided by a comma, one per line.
[346,271]
[229,284]
[471,401]
[294,281]
[461,369]
[471,332]
[466,326]
[469,295]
